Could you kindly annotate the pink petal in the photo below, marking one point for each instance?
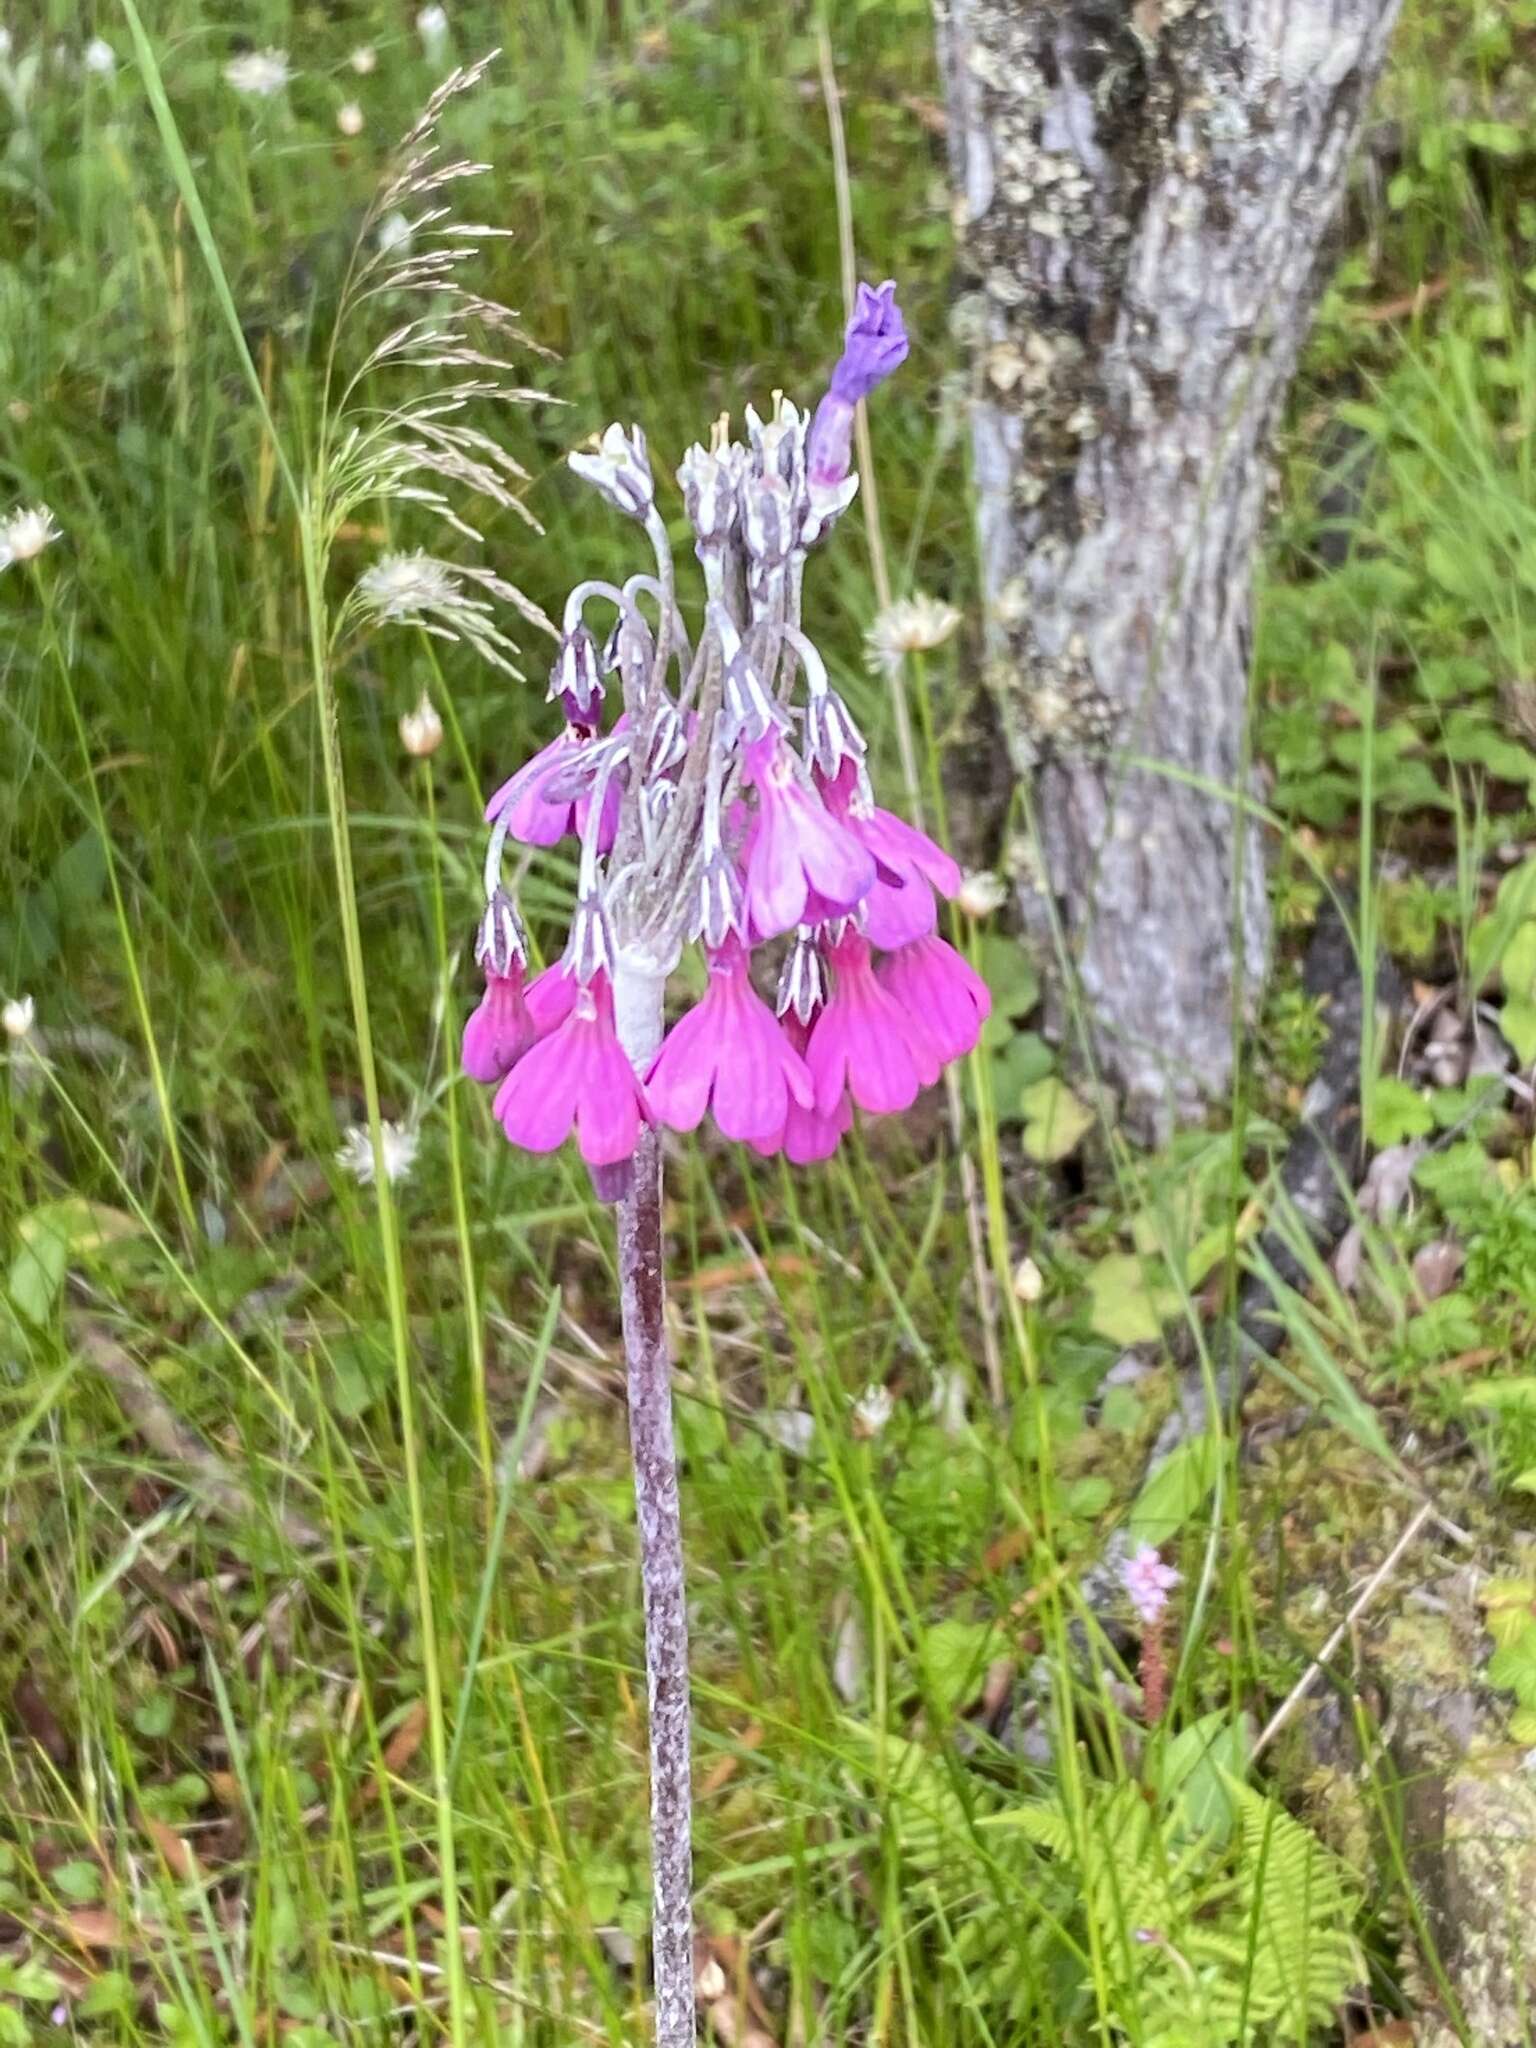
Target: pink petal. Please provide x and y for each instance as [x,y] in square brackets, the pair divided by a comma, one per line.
[683,1071]
[612,1107]
[536,1104]
[499,1031]
[550,996]
[895,917]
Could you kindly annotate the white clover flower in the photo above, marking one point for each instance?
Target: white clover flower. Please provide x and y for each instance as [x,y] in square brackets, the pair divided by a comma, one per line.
[873,1410]
[981,893]
[432,27]
[404,586]
[421,730]
[912,625]
[17,1016]
[394,233]
[363,59]
[258,73]
[99,57]
[349,119]
[25,532]
[398,1144]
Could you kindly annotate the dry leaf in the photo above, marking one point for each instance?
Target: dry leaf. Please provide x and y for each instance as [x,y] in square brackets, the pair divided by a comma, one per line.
[1436,1268]
[178,1858]
[406,1740]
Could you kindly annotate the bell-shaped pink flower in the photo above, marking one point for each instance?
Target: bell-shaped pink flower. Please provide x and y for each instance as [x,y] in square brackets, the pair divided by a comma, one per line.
[536,820]
[808,1136]
[933,982]
[803,866]
[500,1030]
[909,865]
[577,1079]
[866,1041]
[551,997]
[729,1054]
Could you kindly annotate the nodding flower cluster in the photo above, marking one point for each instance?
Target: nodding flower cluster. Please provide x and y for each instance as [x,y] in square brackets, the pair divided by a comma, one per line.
[721,812]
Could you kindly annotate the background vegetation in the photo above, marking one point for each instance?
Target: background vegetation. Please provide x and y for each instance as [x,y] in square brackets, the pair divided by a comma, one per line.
[333,1734]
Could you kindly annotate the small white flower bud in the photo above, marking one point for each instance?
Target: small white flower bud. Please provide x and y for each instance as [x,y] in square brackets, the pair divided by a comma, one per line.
[349,119]
[432,27]
[421,730]
[363,59]
[99,57]
[1028,1281]
[873,1410]
[17,1016]
[981,893]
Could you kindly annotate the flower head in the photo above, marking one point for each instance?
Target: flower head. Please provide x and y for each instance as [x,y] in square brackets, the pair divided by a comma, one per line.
[912,625]
[931,981]
[620,468]
[729,1054]
[258,73]
[1148,1581]
[981,892]
[421,730]
[803,866]
[909,865]
[364,59]
[536,815]
[865,1040]
[99,57]
[25,532]
[17,1016]
[579,1080]
[400,587]
[398,1145]
[349,118]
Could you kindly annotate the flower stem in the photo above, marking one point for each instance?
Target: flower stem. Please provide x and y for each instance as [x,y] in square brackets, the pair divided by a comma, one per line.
[642,1299]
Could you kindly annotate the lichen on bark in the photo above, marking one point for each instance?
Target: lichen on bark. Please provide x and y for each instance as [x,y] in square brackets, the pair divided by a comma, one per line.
[1142,199]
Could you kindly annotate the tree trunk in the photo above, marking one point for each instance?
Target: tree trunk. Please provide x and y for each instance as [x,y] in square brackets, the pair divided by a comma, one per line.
[1143,192]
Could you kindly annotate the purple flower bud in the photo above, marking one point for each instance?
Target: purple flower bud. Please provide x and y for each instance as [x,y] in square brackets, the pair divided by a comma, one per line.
[589,950]
[621,470]
[767,519]
[831,737]
[802,983]
[709,495]
[875,344]
[717,909]
[576,679]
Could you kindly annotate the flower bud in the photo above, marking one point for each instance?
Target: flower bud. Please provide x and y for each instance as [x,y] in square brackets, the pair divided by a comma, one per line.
[767,527]
[589,949]
[16,1017]
[421,730]
[831,737]
[620,469]
[709,489]
[1028,1281]
[747,711]
[501,944]
[981,893]
[576,678]
[802,980]
[873,1410]
[717,909]
[349,119]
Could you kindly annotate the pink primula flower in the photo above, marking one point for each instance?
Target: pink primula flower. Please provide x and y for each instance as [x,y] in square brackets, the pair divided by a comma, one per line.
[500,1030]
[577,1079]
[931,981]
[808,1136]
[729,1054]
[551,997]
[536,820]
[803,866]
[866,1041]
[909,865]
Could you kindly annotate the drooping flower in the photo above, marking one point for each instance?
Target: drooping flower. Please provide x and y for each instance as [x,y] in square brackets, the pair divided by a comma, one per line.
[25,532]
[933,982]
[500,1029]
[577,1079]
[1148,1581]
[803,866]
[909,865]
[874,344]
[865,1041]
[536,819]
[259,74]
[912,625]
[730,1055]
[398,1145]
[619,467]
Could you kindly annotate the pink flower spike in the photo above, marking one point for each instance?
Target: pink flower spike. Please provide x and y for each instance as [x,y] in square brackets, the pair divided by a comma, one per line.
[866,1041]
[728,1054]
[500,1031]
[1149,1582]
[577,1078]
[802,865]
[535,820]
[931,981]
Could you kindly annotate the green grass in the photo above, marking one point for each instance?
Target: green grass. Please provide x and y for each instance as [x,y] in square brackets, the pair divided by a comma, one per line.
[390,1785]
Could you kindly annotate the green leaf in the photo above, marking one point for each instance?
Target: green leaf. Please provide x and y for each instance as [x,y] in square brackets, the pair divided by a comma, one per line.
[37,1271]
[1021,1058]
[1513,1666]
[1176,1490]
[1522,1725]
[1129,1298]
[79,1880]
[1197,1766]
[1517,1021]
[1516,1392]
[1398,1111]
[1055,1120]
[1089,1497]
[1010,974]
[955,1656]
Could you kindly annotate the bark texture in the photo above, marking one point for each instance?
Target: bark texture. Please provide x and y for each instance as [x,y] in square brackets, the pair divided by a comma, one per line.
[1143,192]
